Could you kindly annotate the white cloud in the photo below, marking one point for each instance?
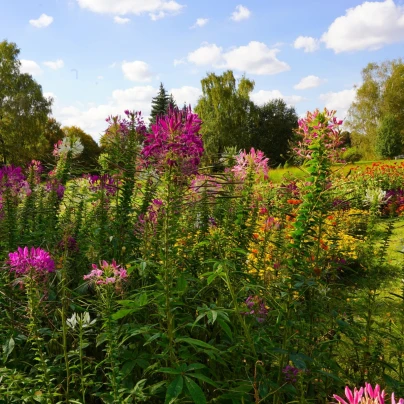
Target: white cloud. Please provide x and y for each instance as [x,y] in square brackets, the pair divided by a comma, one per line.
[339,101]
[120,20]
[186,94]
[91,118]
[42,22]
[112,65]
[308,43]
[137,71]
[156,8]
[100,77]
[254,58]
[200,22]
[178,62]
[241,13]
[309,82]
[370,25]
[207,54]
[57,64]
[263,96]
[30,67]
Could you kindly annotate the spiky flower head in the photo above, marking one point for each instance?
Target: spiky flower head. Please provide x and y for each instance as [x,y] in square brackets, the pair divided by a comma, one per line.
[31,260]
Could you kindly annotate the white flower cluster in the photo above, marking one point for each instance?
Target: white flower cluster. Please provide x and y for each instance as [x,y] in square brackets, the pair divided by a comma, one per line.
[70,145]
[375,196]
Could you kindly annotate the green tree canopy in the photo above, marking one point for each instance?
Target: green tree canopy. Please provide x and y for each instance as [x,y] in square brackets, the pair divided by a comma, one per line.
[23,110]
[274,130]
[381,94]
[89,157]
[389,139]
[225,109]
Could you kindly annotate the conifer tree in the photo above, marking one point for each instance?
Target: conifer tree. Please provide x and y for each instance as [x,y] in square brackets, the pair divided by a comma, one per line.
[160,104]
[171,102]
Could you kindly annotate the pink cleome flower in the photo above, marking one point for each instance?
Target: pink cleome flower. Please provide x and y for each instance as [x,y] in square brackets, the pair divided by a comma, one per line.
[366,395]
[254,160]
[106,273]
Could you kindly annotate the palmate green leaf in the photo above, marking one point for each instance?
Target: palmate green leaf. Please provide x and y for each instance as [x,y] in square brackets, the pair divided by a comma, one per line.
[174,389]
[225,327]
[122,313]
[202,377]
[8,347]
[195,366]
[196,342]
[170,371]
[195,391]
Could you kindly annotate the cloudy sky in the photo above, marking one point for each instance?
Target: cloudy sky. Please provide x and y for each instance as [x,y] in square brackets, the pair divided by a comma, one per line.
[100,57]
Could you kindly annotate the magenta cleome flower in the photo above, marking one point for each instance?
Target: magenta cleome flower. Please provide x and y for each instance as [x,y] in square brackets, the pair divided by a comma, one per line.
[175,141]
[106,273]
[25,260]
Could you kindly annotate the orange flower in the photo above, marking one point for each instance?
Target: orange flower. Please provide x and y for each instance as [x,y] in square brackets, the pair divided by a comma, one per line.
[294,201]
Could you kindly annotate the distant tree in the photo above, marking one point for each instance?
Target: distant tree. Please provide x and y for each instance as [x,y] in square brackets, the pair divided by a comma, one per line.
[381,94]
[88,158]
[389,140]
[274,130]
[225,109]
[160,104]
[23,110]
[346,138]
[171,102]
[53,133]
[393,97]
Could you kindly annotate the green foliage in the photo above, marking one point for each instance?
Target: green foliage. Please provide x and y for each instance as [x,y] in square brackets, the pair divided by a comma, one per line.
[273,130]
[352,155]
[225,109]
[379,95]
[389,142]
[238,289]
[23,110]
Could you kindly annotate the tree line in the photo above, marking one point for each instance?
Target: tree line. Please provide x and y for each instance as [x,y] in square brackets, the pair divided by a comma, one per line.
[231,120]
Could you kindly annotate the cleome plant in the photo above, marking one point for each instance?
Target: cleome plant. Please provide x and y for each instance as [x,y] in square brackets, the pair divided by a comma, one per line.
[157,279]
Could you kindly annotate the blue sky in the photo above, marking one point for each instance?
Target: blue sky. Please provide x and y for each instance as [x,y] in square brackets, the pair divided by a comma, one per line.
[99,57]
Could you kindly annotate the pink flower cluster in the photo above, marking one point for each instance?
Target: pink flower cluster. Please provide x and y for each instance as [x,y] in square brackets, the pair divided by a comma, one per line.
[25,260]
[256,308]
[122,126]
[150,218]
[175,141]
[106,273]
[102,182]
[255,160]
[36,169]
[366,395]
[54,185]
[322,126]
[13,179]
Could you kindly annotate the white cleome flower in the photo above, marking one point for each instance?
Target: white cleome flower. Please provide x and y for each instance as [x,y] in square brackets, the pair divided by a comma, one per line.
[374,196]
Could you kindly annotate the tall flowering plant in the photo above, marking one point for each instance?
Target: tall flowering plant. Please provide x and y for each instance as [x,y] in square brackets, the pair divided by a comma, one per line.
[31,266]
[175,140]
[108,279]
